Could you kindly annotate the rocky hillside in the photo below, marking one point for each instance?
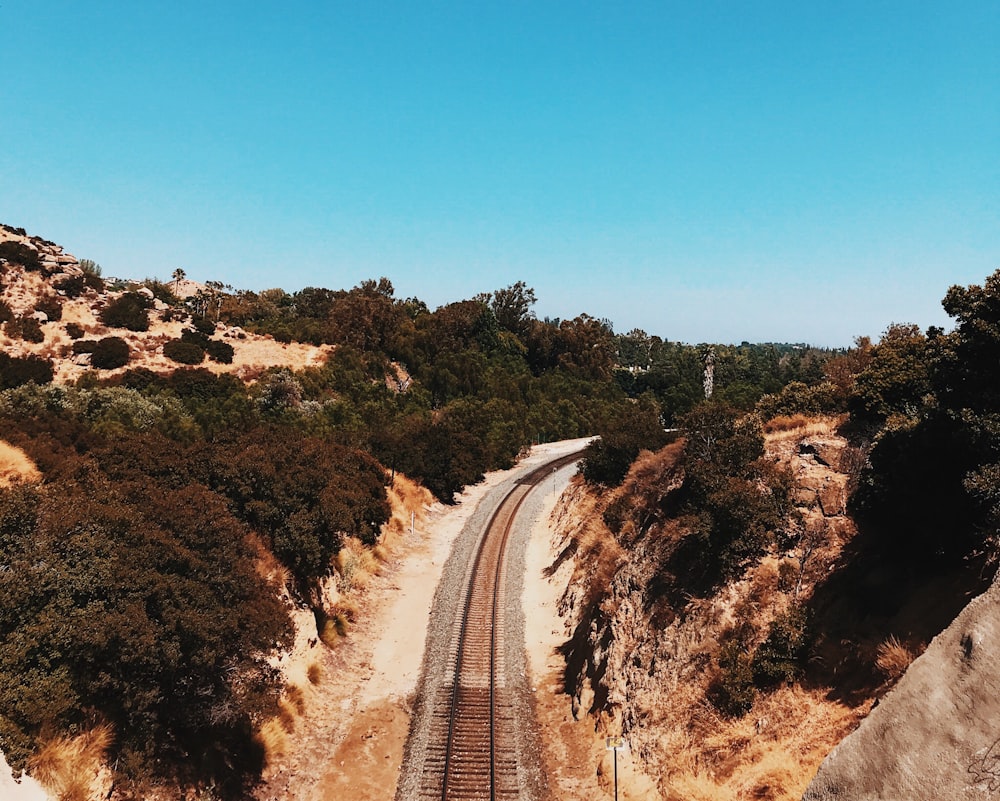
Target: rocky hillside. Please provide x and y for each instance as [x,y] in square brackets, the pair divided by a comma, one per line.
[741,689]
[48,302]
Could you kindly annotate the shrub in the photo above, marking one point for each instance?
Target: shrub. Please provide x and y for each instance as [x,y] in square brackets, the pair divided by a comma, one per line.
[893,658]
[221,352]
[183,352]
[90,267]
[94,281]
[637,427]
[128,311]
[74,330]
[6,313]
[26,328]
[203,325]
[161,291]
[72,286]
[51,307]
[733,692]
[109,353]
[19,253]
[15,371]
[194,337]
[781,657]
[84,346]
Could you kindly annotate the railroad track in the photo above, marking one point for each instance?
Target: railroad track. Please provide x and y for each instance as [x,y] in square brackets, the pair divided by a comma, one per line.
[471,755]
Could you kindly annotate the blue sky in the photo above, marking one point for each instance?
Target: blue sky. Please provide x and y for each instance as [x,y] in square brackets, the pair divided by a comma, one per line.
[704,171]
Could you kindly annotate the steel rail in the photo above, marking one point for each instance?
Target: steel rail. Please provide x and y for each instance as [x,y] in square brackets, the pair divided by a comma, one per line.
[509,507]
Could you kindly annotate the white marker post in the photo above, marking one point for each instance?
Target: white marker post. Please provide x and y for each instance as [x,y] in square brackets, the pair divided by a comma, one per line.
[615,744]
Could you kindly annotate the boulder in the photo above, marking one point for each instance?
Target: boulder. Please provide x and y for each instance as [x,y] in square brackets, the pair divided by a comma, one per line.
[935,735]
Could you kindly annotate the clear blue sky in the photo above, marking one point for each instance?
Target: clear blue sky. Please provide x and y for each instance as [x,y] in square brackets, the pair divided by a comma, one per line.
[795,171]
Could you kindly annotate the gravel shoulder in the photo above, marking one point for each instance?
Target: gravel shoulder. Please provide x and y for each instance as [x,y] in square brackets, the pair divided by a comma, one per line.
[445,614]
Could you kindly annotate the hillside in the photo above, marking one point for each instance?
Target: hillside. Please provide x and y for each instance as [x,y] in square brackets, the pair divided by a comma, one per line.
[35,293]
[740,688]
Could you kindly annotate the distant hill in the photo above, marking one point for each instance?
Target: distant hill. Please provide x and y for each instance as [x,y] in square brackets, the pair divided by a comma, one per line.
[43,283]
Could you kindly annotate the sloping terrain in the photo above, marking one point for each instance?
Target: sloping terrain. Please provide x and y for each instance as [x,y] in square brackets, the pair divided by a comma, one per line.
[24,291]
[686,679]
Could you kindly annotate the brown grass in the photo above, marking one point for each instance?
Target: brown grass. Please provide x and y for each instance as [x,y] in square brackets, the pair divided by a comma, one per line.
[329,636]
[274,739]
[296,697]
[893,658]
[801,425]
[314,673]
[69,766]
[356,565]
[15,466]
[771,753]
[286,715]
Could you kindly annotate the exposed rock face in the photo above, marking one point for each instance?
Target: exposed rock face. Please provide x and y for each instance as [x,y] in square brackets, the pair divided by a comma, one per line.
[937,733]
[51,255]
[643,667]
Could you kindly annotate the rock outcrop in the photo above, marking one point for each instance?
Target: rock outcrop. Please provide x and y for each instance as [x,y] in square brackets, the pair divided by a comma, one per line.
[937,733]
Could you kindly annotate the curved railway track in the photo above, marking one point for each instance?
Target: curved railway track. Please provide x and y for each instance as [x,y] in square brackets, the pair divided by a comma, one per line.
[471,754]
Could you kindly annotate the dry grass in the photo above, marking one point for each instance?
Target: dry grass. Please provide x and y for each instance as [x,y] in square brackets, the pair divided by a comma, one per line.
[801,425]
[314,673]
[296,697]
[771,753]
[68,767]
[356,565]
[274,739]
[286,715]
[329,636]
[893,658]
[15,466]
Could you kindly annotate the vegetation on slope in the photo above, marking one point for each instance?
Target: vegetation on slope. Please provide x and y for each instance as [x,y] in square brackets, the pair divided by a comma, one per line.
[135,599]
[733,577]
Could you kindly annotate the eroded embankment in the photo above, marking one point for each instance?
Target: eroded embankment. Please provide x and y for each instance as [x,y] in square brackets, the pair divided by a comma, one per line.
[740,691]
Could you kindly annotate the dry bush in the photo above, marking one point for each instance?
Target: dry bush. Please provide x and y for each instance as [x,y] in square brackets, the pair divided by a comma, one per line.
[329,636]
[356,564]
[409,503]
[771,753]
[274,739]
[801,425]
[286,715]
[67,766]
[15,466]
[296,697]
[786,422]
[314,673]
[341,624]
[893,658]
[347,608]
